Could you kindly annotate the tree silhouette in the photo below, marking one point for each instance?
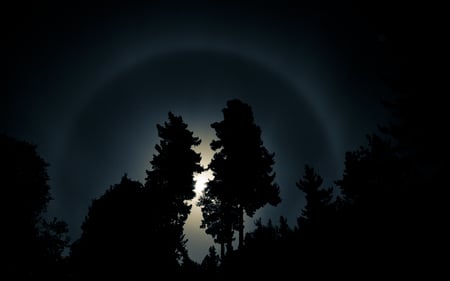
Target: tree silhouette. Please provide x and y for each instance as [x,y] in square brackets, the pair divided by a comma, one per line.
[371,174]
[318,200]
[211,262]
[30,246]
[388,186]
[217,219]
[170,184]
[113,235]
[268,249]
[242,168]
[135,231]
[53,240]
[54,237]
[315,225]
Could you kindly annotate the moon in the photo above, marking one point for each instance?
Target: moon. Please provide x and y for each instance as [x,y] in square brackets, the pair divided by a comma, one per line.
[206,153]
[201,179]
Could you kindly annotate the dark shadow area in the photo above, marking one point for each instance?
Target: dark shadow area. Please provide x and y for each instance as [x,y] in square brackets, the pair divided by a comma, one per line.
[383,222]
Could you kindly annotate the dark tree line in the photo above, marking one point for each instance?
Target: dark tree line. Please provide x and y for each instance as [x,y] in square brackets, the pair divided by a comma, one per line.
[384,222]
[31,246]
[381,221]
[135,231]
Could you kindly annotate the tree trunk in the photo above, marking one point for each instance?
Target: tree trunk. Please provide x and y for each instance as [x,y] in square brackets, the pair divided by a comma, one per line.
[229,247]
[222,251]
[241,227]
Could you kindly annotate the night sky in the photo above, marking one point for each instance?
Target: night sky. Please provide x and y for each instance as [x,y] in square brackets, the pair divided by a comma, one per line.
[88,84]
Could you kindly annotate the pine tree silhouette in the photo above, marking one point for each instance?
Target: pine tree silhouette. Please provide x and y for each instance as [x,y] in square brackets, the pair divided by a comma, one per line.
[170,184]
[242,168]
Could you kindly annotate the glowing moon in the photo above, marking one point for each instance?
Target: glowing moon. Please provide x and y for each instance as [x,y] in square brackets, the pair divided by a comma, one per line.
[201,180]
[206,153]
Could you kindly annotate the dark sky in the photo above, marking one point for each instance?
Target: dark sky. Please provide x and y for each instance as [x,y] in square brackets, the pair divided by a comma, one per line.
[89,83]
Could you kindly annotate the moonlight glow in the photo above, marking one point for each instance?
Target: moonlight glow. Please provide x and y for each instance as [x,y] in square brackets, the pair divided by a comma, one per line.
[201,180]
[91,106]
[206,153]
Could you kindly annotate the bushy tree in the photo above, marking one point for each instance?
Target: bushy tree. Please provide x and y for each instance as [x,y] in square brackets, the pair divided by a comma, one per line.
[113,234]
[31,247]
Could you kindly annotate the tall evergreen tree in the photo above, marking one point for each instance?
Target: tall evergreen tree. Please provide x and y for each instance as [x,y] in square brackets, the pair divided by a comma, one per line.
[170,183]
[314,235]
[318,200]
[210,263]
[242,168]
